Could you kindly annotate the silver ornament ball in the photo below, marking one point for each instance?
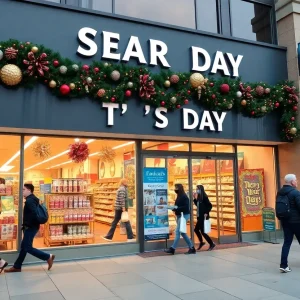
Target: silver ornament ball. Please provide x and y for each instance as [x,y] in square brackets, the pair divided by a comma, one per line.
[75,67]
[173,100]
[239,94]
[63,69]
[130,84]
[115,75]
[89,80]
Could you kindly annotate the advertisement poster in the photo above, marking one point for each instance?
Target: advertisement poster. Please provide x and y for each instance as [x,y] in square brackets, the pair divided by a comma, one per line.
[269,220]
[252,191]
[155,190]
[7,204]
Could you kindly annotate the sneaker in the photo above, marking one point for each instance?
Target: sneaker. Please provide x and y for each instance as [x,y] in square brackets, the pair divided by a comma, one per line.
[200,246]
[191,251]
[3,265]
[107,239]
[170,251]
[211,247]
[285,270]
[131,240]
[12,270]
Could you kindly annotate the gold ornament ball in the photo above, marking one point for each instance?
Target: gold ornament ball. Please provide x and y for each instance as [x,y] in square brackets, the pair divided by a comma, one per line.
[52,84]
[173,100]
[167,84]
[293,130]
[263,108]
[34,49]
[243,102]
[11,75]
[196,80]
[72,86]
[230,106]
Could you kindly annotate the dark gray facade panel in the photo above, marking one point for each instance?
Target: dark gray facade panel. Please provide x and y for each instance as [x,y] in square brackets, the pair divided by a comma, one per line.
[58,30]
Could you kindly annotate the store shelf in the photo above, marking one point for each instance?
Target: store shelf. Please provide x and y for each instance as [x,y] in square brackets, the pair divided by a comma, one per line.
[70,223]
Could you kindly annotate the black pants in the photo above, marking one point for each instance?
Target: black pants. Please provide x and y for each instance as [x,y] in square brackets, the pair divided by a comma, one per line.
[199,230]
[289,230]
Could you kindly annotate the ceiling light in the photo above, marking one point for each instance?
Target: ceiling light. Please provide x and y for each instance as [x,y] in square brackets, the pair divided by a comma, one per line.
[76,140]
[123,145]
[6,168]
[94,154]
[31,141]
[64,163]
[176,146]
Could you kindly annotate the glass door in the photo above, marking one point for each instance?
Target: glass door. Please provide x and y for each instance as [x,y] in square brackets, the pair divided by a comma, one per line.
[217,177]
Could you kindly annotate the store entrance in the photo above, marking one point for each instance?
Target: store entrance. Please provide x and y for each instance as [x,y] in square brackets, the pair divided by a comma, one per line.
[217,176]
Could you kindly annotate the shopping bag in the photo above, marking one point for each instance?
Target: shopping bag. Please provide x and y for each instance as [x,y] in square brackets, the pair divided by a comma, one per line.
[207,226]
[124,217]
[182,224]
[122,228]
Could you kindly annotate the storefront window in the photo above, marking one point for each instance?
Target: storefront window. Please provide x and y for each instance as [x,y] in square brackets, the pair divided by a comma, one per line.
[163,146]
[100,5]
[175,12]
[80,196]
[206,14]
[9,190]
[257,182]
[251,21]
[212,148]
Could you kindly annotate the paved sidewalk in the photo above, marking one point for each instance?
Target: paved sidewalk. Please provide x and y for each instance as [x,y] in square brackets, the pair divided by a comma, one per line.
[240,273]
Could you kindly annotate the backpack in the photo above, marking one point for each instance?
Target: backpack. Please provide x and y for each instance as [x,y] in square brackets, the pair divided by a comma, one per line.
[282,207]
[42,214]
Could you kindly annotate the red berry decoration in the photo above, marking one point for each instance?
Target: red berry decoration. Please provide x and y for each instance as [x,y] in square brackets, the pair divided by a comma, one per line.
[224,88]
[253,113]
[85,67]
[211,84]
[277,104]
[55,63]
[178,106]
[162,103]
[128,93]
[189,92]
[213,96]
[293,118]
[186,101]
[113,99]
[295,108]
[64,89]
[96,70]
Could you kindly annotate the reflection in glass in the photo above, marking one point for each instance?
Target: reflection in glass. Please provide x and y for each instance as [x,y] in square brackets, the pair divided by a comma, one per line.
[212,148]
[175,12]
[251,21]
[206,11]
[100,5]
[165,146]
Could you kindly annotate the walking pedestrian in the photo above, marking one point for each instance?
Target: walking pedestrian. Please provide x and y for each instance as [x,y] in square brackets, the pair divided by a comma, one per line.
[204,207]
[30,228]
[121,204]
[182,205]
[288,212]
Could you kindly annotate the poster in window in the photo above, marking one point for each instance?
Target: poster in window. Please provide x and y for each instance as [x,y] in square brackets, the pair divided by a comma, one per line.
[252,191]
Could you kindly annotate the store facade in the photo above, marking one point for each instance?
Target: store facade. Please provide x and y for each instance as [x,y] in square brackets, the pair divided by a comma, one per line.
[133,127]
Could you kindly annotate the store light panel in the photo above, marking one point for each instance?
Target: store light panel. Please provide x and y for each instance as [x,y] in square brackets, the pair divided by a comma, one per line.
[6,165]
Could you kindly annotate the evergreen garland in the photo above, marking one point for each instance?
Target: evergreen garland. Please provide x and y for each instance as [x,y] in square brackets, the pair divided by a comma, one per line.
[106,82]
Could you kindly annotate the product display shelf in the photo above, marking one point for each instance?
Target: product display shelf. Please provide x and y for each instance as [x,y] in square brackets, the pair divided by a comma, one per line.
[104,199]
[61,227]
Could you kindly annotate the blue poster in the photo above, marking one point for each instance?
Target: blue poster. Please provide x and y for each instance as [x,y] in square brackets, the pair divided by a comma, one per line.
[155,187]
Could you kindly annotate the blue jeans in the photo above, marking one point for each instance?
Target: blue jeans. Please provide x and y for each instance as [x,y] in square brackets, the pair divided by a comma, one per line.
[118,215]
[26,247]
[289,230]
[184,235]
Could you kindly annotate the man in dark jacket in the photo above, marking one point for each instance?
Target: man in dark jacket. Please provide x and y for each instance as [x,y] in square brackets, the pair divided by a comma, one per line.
[291,226]
[30,228]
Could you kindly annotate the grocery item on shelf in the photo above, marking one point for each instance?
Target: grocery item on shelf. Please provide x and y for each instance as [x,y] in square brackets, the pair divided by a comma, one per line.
[69,185]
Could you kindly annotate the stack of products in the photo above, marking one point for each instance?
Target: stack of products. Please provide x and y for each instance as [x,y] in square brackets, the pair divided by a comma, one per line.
[71,215]
[69,186]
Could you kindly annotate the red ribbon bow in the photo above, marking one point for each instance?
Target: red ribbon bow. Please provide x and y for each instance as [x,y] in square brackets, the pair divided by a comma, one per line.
[146,87]
[38,65]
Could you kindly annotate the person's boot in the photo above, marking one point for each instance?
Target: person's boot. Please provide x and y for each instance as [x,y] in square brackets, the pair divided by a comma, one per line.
[201,245]
[12,270]
[170,251]
[211,247]
[191,251]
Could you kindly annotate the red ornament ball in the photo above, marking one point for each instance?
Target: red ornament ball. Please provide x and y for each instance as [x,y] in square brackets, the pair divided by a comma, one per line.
[64,89]
[253,113]
[55,63]
[174,79]
[113,99]
[162,103]
[293,118]
[128,93]
[225,88]
[211,84]
[213,96]
[186,101]
[295,108]
[178,106]
[96,70]
[85,67]
[189,92]
[277,104]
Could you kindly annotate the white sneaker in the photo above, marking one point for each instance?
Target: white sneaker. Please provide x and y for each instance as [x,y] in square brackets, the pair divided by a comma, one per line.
[3,265]
[285,270]
[131,240]
[105,238]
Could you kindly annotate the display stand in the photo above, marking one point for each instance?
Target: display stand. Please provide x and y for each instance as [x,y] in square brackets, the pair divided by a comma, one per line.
[269,224]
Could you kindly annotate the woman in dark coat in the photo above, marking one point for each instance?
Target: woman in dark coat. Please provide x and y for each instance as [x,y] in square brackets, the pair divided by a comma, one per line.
[203,208]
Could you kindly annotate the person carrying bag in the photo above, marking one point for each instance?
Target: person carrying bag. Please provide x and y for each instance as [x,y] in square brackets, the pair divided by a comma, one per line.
[203,226]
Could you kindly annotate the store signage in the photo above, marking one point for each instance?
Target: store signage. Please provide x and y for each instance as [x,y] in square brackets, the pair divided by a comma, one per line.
[252,191]
[191,119]
[201,59]
[269,220]
[155,191]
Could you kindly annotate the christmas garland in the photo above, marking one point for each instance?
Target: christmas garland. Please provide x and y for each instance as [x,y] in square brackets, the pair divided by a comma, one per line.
[25,64]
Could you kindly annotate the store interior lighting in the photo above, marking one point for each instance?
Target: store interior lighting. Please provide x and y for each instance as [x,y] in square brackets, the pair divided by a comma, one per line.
[176,146]
[123,145]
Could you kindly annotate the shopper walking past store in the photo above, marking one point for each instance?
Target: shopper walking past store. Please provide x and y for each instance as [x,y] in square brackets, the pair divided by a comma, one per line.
[204,207]
[288,212]
[30,228]
[182,205]
[121,204]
